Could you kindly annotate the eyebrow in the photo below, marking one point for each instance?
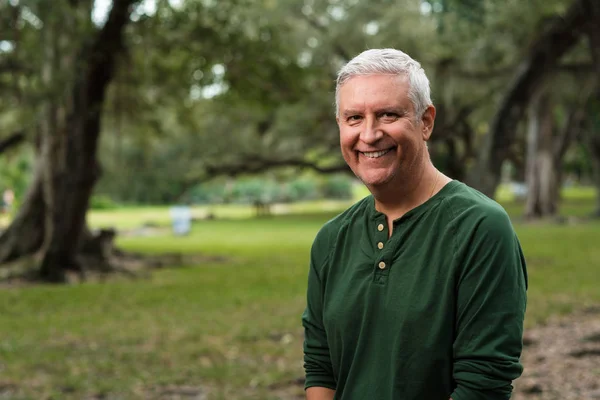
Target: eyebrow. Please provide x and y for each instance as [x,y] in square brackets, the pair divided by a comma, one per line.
[397,110]
[350,112]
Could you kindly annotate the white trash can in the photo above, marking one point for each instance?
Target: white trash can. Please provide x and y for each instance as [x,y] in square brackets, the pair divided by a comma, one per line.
[181,217]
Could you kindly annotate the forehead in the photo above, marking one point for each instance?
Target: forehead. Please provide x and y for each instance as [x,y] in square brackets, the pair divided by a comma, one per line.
[372,91]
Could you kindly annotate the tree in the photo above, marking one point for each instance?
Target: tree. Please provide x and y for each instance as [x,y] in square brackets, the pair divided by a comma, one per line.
[274,65]
[251,90]
[547,144]
[11,141]
[542,58]
[78,65]
[593,135]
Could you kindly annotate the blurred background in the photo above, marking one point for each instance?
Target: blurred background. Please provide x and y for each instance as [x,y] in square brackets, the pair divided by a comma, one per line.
[166,164]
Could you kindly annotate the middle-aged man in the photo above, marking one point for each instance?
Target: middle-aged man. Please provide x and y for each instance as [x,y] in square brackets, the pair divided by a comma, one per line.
[417,292]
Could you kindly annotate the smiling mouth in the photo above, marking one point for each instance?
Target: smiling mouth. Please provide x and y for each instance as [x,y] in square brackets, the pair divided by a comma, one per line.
[376,154]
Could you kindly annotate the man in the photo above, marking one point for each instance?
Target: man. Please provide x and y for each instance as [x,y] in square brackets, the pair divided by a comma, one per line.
[418,291]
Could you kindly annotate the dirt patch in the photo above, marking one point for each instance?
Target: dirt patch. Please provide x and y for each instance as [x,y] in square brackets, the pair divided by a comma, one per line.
[292,389]
[561,362]
[174,392]
[562,359]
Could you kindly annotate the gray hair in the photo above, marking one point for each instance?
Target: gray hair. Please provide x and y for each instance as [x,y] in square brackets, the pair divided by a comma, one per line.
[391,62]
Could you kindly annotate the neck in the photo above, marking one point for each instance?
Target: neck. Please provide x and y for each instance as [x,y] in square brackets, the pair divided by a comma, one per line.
[403,194]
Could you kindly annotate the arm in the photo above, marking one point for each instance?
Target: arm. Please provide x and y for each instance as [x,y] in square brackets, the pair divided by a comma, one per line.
[319,393]
[491,300]
[320,382]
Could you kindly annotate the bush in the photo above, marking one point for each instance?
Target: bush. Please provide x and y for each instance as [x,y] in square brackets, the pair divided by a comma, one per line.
[337,187]
[302,189]
[102,202]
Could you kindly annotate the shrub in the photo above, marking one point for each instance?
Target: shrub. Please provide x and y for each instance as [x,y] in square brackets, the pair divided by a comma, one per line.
[102,202]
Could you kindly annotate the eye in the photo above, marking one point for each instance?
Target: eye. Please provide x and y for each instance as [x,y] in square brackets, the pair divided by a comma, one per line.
[389,116]
[354,118]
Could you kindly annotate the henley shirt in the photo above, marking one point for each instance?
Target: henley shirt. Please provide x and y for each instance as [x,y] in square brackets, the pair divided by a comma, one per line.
[435,311]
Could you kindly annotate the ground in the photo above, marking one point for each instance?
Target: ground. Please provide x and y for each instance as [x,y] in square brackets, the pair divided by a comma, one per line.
[224,322]
[562,359]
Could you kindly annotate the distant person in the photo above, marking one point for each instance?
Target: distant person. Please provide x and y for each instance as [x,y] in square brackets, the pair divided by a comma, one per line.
[8,198]
[418,291]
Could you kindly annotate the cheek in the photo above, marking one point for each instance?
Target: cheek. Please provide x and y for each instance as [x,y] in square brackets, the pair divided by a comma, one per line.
[348,138]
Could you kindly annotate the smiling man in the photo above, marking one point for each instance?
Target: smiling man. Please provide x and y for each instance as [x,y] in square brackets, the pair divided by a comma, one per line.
[417,292]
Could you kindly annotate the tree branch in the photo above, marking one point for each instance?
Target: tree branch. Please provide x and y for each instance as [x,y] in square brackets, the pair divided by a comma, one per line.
[543,57]
[574,123]
[9,65]
[11,141]
[567,68]
[257,165]
[103,52]
[101,56]
[593,34]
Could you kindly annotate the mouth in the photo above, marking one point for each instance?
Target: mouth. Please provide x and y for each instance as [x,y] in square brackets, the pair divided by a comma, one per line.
[376,154]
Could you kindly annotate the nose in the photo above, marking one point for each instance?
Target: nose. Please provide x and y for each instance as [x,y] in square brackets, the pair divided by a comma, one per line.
[371,132]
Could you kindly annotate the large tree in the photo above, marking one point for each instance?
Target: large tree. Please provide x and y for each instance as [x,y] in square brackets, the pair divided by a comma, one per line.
[275,64]
[251,90]
[77,65]
[558,36]
[593,133]
[548,139]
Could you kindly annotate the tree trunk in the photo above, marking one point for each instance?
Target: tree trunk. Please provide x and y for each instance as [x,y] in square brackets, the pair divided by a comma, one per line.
[25,234]
[546,148]
[595,153]
[542,59]
[542,165]
[67,166]
[68,150]
[593,137]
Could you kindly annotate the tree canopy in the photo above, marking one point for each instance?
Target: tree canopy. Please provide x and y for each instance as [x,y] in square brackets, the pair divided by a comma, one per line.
[151,102]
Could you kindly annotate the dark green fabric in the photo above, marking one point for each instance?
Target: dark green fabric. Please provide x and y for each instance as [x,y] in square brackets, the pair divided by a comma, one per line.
[443,318]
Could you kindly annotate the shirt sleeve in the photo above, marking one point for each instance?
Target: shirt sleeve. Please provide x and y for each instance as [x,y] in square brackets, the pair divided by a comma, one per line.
[491,302]
[317,360]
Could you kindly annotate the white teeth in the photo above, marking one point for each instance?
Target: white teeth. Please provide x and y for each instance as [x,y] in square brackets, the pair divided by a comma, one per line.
[376,154]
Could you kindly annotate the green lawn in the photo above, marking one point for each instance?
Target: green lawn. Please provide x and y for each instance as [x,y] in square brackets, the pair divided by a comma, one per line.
[230,328]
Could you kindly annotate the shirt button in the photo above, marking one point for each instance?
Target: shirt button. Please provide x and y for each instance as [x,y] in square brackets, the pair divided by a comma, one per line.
[380,227]
[382,265]
[380,245]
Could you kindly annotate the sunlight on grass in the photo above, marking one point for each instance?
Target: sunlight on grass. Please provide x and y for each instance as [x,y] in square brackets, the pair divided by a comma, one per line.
[4,220]
[160,216]
[579,202]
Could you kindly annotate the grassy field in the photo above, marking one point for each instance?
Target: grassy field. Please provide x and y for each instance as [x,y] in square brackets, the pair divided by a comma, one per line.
[228,329]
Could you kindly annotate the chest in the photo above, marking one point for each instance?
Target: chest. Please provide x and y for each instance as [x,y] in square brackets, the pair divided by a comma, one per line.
[399,285]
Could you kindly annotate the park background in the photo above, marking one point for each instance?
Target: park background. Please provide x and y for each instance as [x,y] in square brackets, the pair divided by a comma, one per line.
[114,113]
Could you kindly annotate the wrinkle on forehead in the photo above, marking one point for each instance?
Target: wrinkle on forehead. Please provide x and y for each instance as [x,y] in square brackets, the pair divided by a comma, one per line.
[371,92]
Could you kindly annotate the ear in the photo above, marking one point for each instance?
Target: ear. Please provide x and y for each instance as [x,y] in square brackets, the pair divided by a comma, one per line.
[427,121]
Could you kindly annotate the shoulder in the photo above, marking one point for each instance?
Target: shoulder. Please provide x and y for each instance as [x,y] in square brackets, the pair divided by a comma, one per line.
[484,237]
[327,236]
[471,210]
[467,203]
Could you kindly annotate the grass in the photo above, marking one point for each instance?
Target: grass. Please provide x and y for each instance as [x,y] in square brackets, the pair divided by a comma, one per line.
[231,329]
[127,218]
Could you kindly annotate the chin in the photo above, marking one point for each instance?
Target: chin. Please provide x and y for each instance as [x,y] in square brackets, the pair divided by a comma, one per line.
[375,181]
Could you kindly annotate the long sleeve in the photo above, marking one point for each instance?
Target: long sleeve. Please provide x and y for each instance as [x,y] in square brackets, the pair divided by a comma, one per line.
[317,360]
[491,302]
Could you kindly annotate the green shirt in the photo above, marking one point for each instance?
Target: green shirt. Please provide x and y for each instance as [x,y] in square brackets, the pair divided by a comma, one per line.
[433,312]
